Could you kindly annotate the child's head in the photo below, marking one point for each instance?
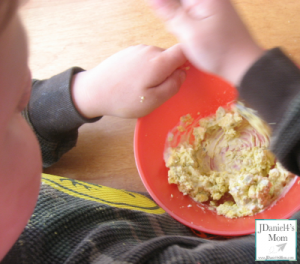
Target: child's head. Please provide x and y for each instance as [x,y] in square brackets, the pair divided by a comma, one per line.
[20,159]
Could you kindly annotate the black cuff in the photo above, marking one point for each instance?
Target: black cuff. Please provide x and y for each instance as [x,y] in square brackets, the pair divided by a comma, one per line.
[51,109]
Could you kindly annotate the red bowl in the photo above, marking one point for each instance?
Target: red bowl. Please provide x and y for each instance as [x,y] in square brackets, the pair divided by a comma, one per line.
[202,93]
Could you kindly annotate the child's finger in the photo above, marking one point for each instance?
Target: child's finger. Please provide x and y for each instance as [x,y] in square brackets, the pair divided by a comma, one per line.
[167,62]
[166,9]
[168,88]
[174,56]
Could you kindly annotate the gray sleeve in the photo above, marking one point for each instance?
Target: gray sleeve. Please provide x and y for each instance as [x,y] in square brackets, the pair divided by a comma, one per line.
[53,116]
[272,87]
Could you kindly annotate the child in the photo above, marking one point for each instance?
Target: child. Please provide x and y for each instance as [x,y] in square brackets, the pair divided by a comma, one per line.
[81,98]
[76,222]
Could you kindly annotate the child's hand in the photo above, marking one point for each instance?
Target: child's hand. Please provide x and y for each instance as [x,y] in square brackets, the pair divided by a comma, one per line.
[131,83]
[213,36]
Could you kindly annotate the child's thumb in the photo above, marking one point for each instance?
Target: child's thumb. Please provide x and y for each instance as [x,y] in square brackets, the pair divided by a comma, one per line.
[166,63]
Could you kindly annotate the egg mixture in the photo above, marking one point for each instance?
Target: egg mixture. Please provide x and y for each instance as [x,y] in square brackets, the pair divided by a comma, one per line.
[227,165]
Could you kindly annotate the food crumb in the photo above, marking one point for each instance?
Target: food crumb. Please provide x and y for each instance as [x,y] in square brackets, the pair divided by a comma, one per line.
[187,119]
[170,137]
[180,128]
[171,195]
[142,98]
[189,205]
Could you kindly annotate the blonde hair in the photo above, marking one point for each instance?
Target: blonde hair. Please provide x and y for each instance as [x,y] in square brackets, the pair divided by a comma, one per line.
[7,10]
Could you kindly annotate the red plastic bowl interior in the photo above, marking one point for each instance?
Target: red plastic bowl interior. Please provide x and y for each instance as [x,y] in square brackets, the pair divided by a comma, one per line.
[202,93]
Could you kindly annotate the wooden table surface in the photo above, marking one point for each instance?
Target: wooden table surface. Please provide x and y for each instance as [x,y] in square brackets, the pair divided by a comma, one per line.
[66,33]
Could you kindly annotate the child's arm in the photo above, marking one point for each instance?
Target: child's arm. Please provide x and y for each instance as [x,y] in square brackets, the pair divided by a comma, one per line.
[215,39]
[129,84]
[213,36]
